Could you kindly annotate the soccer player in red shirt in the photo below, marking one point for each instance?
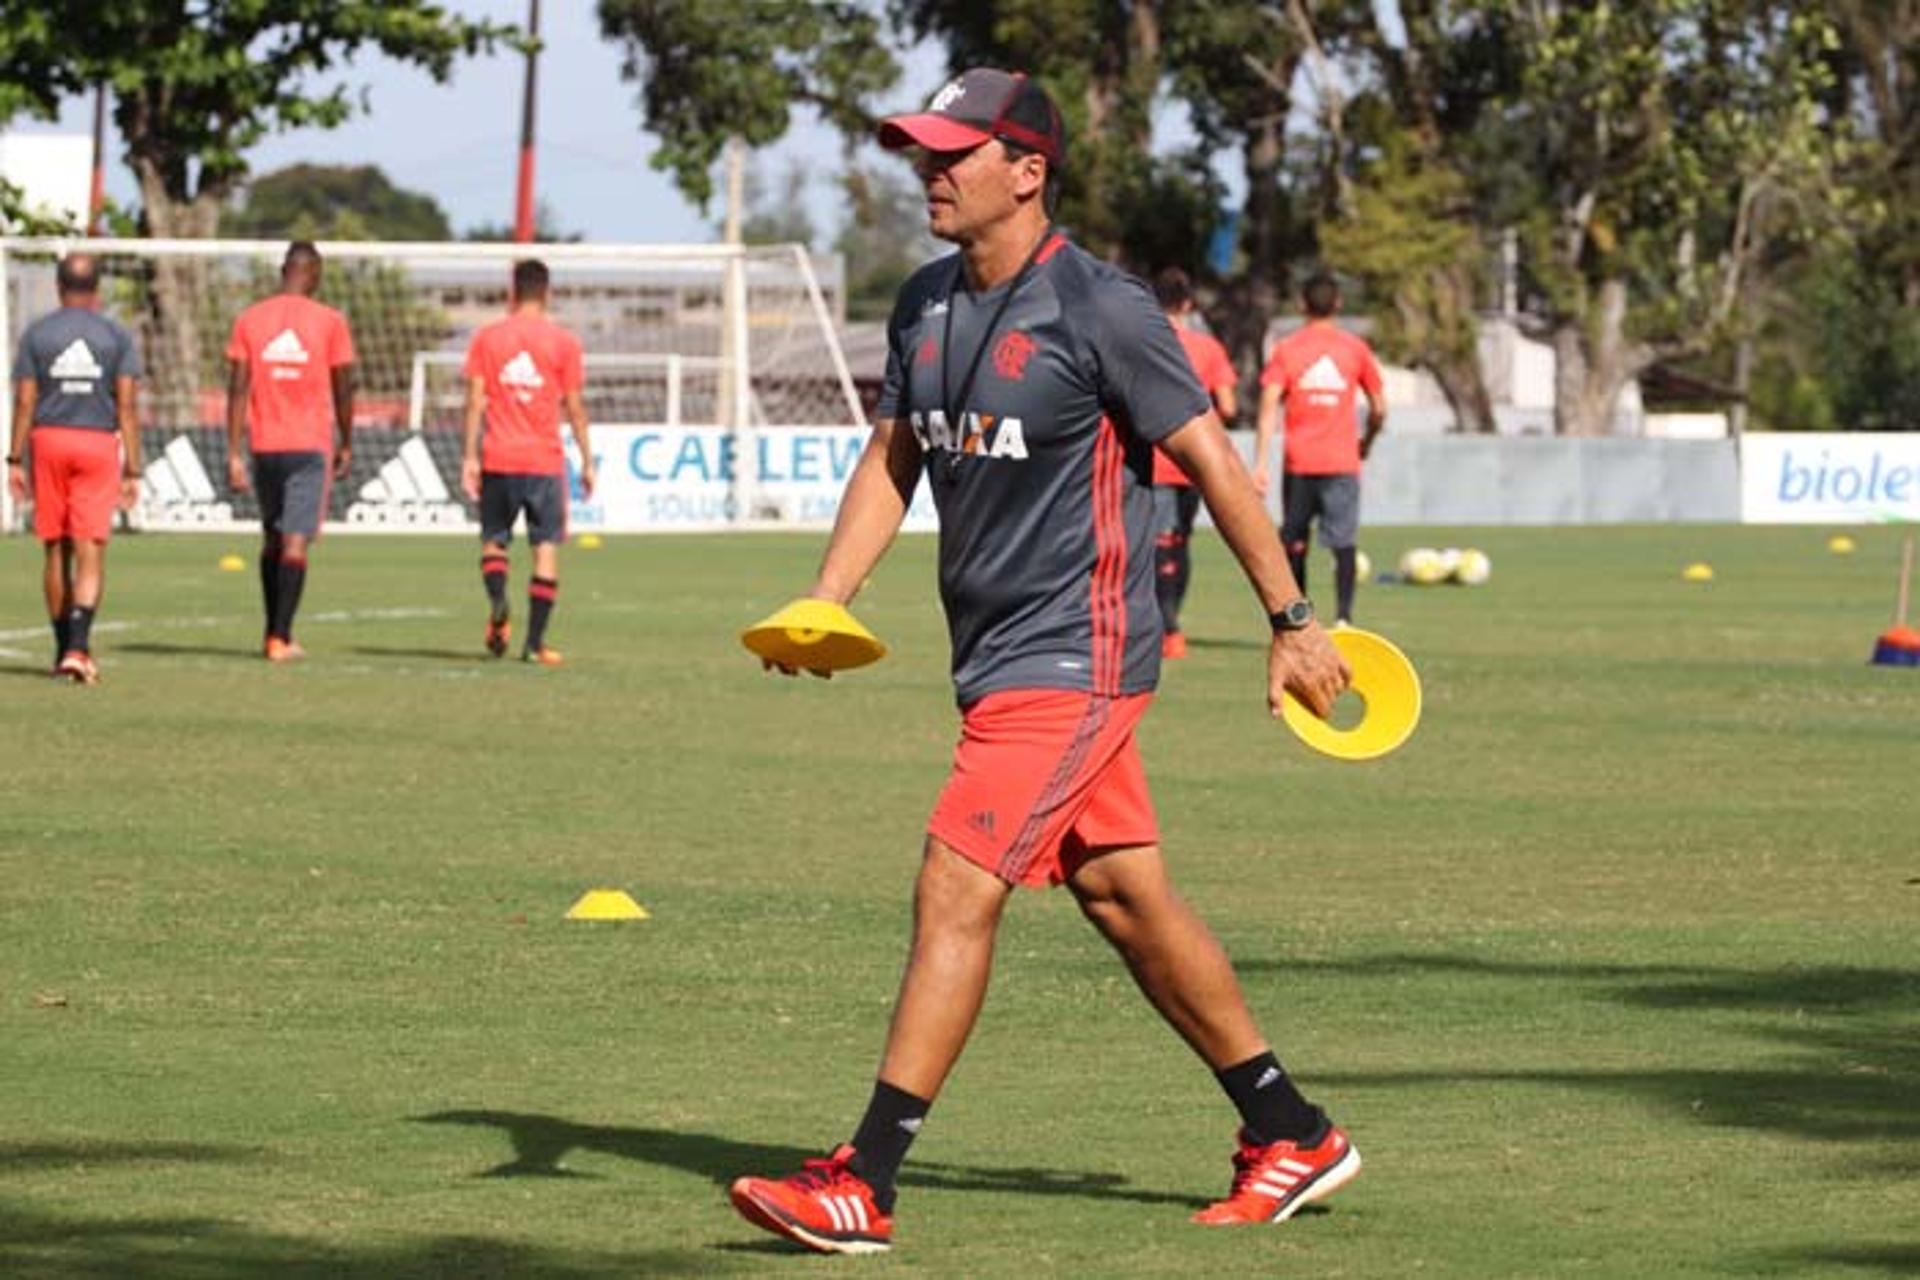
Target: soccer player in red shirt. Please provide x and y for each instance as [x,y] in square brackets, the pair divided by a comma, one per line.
[521,372]
[1029,381]
[73,409]
[289,395]
[1176,501]
[1316,371]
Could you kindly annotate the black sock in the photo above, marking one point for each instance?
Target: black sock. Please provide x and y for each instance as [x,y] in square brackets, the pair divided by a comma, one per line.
[286,599]
[59,625]
[1166,581]
[1346,571]
[886,1131]
[1270,1107]
[270,585]
[1297,561]
[80,628]
[493,572]
[540,594]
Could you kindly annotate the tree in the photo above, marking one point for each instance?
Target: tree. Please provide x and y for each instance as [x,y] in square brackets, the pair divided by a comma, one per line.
[779,215]
[1671,148]
[196,83]
[725,68]
[546,229]
[333,202]
[883,239]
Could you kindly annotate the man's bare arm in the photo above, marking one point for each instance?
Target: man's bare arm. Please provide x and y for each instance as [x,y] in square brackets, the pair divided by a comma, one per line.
[871,509]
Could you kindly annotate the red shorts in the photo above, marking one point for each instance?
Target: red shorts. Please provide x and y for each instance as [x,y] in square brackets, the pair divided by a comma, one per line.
[1042,780]
[76,482]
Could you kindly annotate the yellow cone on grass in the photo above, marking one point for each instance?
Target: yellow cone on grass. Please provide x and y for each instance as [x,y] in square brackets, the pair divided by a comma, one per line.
[589,541]
[1699,571]
[232,564]
[1840,544]
[606,904]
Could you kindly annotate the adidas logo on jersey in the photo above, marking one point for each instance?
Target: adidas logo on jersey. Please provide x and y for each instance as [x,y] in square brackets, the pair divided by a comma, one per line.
[284,349]
[976,433]
[76,362]
[1323,375]
[522,372]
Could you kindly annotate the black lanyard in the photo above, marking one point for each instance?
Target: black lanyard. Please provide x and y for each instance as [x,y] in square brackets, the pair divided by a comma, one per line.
[947,400]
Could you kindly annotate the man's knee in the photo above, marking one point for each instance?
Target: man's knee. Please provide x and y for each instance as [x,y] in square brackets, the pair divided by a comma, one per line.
[955,896]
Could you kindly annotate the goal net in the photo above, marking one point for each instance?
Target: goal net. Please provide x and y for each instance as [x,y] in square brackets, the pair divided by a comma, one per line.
[703,362]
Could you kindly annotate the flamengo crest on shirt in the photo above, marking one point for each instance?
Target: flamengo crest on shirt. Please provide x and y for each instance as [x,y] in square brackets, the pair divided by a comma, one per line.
[76,362]
[977,433]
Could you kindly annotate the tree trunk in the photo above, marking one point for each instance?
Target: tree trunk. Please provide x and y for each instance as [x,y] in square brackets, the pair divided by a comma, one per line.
[179,361]
[1252,300]
[1466,392]
[1593,362]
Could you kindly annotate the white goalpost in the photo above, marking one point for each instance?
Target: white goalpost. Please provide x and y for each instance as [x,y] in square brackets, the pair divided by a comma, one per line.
[715,378]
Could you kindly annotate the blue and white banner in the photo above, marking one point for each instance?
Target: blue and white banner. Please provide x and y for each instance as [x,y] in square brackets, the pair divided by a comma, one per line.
[664,478]
[1829,478]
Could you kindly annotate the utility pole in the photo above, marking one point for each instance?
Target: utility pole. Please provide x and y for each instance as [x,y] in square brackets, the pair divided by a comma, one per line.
[97,192]
[523,196]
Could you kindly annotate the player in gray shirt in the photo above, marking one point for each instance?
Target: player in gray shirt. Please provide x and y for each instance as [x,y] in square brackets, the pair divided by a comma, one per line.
[76,453]
[1030,381]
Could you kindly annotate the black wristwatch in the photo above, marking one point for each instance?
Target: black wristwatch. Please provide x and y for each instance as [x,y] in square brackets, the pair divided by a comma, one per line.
[1293,616]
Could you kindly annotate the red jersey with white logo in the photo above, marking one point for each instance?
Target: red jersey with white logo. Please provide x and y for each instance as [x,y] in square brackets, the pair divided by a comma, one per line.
[1319,368]
[528,363]
[1215,370]
[291,345]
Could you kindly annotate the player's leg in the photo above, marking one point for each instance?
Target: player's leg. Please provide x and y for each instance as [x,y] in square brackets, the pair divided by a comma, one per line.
[844,1203]
[86,483]
[544,499]
[496,537]
[302,509]
[1296,522]
[1166,569]
[87,578]
[1290,1154]
[269,491]
[1186,508]
[1340,526]
[55,579]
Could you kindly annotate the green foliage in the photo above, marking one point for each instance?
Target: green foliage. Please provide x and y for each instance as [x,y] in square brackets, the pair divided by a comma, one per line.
[1843,353]
[546,229]
[196,83]
[333,202]
[19,218]
[883,239]
[776,212]
[725,68]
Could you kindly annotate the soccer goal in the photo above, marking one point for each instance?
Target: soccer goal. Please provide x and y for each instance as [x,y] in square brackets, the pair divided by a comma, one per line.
[726,349]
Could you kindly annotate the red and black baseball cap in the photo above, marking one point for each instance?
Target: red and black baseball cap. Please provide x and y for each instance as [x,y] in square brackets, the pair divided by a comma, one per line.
[983,103]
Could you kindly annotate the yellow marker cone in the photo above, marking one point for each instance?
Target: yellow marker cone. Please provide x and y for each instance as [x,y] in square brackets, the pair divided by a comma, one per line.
[589,541]
[1384,680]
[606,904]
[817,635]
[1698,572]
[1840,544]
[232,564]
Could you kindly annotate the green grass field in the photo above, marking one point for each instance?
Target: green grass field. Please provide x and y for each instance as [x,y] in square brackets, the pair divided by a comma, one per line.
[1612,971]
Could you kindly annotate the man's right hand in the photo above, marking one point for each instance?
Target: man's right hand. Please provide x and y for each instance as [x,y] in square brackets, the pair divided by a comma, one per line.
[237,478]
[470,478]
[17,481]
[1305,664]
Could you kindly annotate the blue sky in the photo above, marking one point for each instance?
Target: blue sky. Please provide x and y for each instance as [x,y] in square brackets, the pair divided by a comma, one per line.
[459,142]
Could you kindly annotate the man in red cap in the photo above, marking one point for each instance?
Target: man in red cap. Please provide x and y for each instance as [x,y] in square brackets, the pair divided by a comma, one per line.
[1031,382]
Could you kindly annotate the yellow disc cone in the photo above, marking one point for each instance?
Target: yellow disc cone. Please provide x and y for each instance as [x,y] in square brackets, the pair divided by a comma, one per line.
[1385,681]
[606,904]
[817,635]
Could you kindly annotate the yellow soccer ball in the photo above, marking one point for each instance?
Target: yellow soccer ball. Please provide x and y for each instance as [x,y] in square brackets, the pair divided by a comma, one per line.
[1473,568]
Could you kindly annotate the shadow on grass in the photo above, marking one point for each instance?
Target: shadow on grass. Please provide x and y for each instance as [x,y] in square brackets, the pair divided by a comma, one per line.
[434,655]
[1881,1259]
[540,1143]
[19,1157]
[49,1247]
[167,649]
[1857,1080]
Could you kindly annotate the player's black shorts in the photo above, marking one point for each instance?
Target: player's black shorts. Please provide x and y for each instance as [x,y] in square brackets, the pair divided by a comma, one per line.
[292,490]
[504,495]
[1334,499]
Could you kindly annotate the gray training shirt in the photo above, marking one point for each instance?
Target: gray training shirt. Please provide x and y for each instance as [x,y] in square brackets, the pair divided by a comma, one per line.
[1043,478]
[75,355]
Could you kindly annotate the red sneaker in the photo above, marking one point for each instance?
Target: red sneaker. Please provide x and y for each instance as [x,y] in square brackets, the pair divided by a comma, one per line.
[499,631]
[1272,1183]
[1173,644]
[826,1207]
[278,650]
[77,667]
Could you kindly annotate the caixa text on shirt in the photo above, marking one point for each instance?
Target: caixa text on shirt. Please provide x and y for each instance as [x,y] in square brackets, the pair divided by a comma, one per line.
[982,434]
